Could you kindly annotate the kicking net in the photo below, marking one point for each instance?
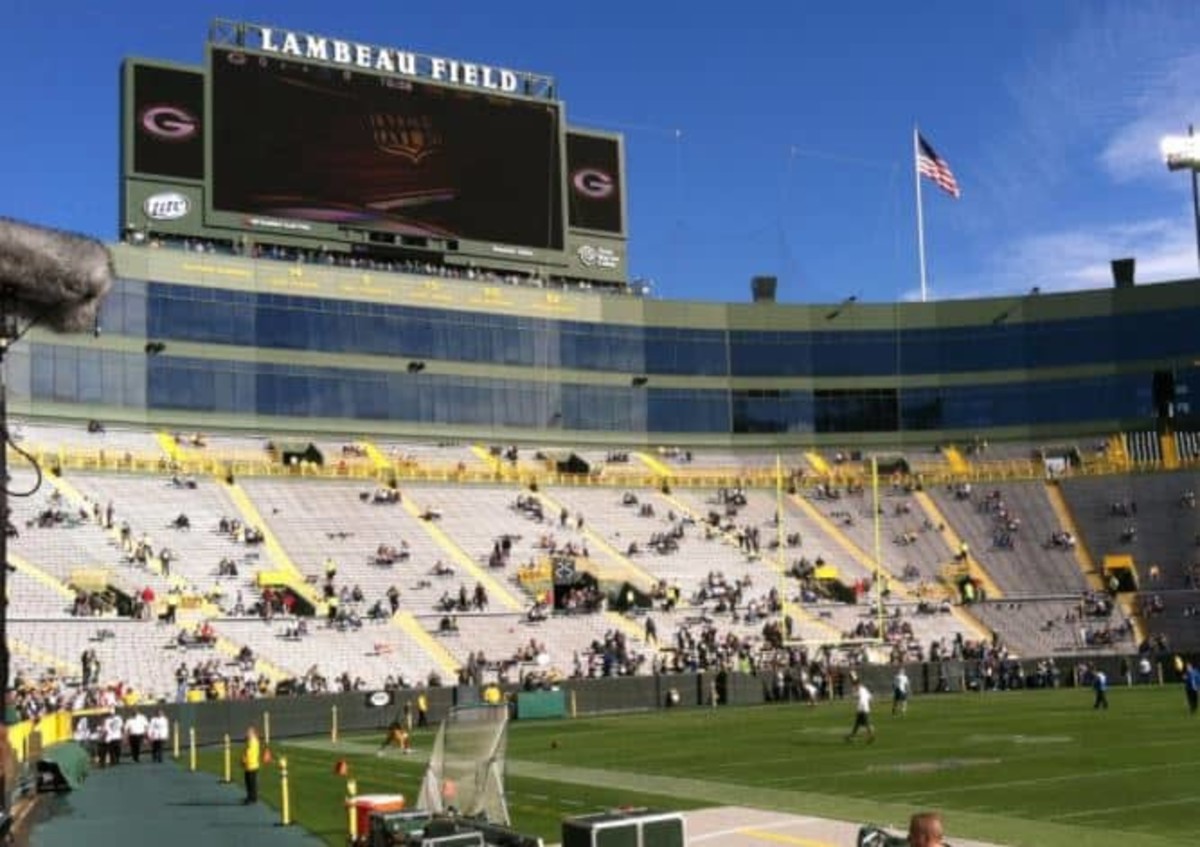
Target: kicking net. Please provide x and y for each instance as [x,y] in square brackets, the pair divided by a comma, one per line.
[466,767]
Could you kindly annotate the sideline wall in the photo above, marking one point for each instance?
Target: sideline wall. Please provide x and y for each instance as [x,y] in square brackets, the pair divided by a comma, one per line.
[312,715]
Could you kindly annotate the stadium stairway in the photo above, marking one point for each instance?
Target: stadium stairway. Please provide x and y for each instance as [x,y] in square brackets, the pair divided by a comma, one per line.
[1132,608]
[1066,519]
[626,569]
[1118,451]
[776,563]
[935,516]
[283,562]
[653,463]
[954,457]
[227,647]
[493,462]
[437,653]
[1170,451]
[853,550]
[379,461]
[53,583]
[42,658]
[898,589]
[170,446]
[497,592]
[817,462]
[73,496]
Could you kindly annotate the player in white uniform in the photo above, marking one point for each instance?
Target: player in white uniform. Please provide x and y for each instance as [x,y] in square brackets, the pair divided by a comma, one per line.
[862,711]
[900,689]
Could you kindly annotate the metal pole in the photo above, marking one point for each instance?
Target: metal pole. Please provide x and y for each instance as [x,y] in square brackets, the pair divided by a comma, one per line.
[1195,200]
[4,655]
[920,212]
[878,548]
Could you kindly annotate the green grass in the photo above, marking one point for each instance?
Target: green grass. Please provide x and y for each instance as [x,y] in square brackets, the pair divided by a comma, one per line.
[1021,768]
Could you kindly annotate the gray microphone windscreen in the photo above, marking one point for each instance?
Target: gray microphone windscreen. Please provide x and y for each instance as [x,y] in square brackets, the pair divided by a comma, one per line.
[56,279]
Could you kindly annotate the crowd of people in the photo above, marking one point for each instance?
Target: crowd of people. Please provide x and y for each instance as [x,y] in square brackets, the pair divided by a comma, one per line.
[359,260]
[727,624]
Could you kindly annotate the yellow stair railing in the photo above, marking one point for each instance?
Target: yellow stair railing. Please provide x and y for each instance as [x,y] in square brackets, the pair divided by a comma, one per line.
[496,591]
[1066,521]
[955,459]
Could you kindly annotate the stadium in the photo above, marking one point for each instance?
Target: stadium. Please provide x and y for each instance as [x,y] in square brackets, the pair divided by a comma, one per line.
[374,412]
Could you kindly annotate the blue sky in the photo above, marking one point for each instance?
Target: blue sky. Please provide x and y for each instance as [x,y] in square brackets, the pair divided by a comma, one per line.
[761,137]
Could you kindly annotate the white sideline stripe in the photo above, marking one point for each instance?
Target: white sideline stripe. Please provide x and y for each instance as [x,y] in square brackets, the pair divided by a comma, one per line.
[1043,780]
[1190,798]
[738,830]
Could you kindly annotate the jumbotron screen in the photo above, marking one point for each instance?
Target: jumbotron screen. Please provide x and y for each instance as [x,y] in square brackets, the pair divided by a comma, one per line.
[168,105]
[304,141]
[594,183]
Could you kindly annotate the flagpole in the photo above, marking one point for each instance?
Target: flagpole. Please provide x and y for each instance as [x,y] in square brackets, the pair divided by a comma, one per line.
[920,213]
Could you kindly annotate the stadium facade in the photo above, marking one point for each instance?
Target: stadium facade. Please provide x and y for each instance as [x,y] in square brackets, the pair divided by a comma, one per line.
[366,269]
[262,344]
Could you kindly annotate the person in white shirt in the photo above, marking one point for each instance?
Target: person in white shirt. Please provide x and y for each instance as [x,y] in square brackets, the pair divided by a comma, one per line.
[159,732]
[136,728]
[900,689]
[114,732]
[862,713]
[83,737]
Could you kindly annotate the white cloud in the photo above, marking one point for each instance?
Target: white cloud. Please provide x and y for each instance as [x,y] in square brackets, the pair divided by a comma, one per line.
[1093,102]
[1078,258]
[1168,101]
[1090,108]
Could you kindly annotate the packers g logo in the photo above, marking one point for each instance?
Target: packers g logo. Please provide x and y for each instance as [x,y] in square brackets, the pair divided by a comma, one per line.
[593,183]
[169,123]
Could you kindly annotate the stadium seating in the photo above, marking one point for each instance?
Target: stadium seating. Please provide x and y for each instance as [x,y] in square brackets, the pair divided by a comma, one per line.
[461,526]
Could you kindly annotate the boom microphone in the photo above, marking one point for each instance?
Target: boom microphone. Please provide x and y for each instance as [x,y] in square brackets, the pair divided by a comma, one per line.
[55,279]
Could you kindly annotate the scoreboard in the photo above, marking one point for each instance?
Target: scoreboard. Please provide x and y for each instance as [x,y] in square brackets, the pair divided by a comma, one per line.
[264,147]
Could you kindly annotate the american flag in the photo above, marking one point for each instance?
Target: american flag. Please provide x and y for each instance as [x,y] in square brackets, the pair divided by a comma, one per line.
[930,164]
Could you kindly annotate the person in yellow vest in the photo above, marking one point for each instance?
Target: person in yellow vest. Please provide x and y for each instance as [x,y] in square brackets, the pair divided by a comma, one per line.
[251,762]
[422,710]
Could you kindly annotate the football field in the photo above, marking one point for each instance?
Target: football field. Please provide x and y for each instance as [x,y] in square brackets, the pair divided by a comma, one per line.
[1017,768]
